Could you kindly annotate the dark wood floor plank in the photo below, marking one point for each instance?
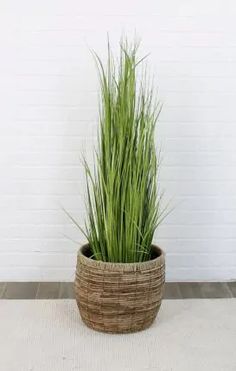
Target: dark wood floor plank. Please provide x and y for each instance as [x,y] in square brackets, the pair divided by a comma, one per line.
[215,290]
[20,290]
[172,291]
[48,290]
[190,290]
[232,288]
[2,288]
[66,290]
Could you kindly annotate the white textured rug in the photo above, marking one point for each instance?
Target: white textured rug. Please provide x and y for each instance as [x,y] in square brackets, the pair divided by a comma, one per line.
[48,335]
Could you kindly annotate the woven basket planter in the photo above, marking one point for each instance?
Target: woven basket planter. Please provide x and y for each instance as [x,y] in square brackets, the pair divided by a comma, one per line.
[119,297]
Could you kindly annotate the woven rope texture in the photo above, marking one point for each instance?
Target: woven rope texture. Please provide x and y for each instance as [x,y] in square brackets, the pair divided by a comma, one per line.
[119,297]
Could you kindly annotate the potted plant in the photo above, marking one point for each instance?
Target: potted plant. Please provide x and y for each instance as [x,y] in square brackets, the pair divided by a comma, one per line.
[120,274]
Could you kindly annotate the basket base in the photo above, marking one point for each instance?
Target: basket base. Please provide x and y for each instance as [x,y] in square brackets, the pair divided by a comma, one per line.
[118,325]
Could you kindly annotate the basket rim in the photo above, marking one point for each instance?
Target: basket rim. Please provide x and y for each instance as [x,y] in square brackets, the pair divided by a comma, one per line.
[159,260]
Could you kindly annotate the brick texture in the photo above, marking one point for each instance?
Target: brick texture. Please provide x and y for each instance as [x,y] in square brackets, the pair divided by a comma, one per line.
[48,118]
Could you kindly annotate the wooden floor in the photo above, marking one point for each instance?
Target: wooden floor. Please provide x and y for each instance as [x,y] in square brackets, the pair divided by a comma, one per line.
[64,290]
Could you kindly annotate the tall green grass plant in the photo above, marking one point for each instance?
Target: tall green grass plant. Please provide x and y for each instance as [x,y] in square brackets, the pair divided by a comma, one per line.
[122,193]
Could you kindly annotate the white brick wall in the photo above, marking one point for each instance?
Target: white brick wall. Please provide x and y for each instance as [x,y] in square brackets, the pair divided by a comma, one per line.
[48,99]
